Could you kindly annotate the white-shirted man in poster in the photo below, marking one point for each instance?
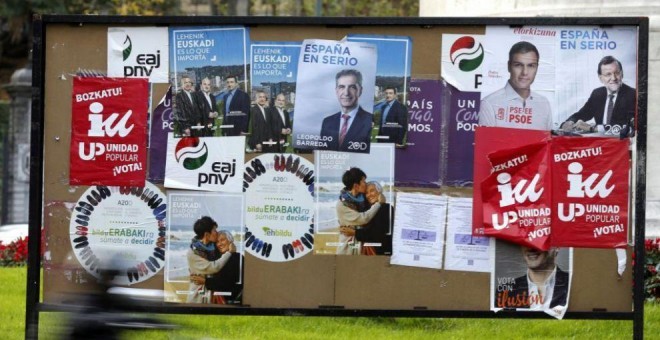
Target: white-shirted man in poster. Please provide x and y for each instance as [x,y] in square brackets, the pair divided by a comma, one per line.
[516,105]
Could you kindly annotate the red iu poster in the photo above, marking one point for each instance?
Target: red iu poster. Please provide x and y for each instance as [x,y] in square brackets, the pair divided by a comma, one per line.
[486,141]
[590,192]
[108,131]
[516,197]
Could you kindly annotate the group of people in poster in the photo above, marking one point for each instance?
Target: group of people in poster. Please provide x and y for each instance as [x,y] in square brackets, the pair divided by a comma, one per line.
[268,123]
[206,113]
[332,96]
[345,96]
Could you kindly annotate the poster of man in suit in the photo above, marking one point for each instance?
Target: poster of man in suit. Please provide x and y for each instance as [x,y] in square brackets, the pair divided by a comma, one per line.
[274,69]
[598,76]
[527,280]
[392,80]
[335,86]
[214,62]
[579,71]
[611,105]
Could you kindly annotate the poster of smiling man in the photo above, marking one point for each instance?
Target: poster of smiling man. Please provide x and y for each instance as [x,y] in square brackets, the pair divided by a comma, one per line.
[577,79]
[208,73]
[599,74]
[518,80]
[335,85]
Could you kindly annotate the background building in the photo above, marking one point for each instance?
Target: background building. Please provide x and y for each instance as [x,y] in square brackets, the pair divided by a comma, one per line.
[585,8]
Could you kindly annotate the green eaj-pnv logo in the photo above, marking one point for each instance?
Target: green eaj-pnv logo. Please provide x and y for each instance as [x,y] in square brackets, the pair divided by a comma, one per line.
[468,53]
[191,153]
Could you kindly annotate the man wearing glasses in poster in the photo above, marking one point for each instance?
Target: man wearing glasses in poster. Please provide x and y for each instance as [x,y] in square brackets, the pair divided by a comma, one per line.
[613,104]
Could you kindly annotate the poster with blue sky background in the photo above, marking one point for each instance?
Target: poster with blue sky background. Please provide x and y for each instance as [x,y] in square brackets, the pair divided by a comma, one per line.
[393,67]
[329,168]
[274,68]
[213,52]
[224,208]
[209,52]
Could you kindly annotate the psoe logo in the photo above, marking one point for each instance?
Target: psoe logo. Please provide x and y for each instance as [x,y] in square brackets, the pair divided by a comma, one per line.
[468,53]
[190,153]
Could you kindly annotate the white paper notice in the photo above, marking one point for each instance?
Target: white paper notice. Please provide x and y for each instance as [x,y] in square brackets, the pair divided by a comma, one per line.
[419,230]
[465,252]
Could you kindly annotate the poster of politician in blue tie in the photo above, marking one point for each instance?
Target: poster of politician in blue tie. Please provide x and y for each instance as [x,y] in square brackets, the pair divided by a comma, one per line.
[209,77]
[335,96]
[392,79]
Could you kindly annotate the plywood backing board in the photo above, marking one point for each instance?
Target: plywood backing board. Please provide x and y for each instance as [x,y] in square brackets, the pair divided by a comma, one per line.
[312,281]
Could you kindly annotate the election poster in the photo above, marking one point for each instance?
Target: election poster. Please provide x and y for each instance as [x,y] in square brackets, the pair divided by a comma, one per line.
[590,192]
[516,197]
[161,126]
[529,280]
[274,70]
[279,217]
[464,251]
[462,58]
[574,78]
[486,141]
[519,77]
[419,230]
[392,81]
[108,131]
[596,62]
[463,118]
[205,248]
[121,228]
[419,164]
[209,76]
[335,95]
[356,220]
[138,52]
[205,163]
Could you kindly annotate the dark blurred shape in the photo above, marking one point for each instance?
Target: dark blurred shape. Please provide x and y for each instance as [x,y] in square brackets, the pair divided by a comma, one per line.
[107,310]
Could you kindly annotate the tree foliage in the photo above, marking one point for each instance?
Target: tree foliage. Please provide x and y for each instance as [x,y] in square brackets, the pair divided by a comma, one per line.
[363,8]
[335,8]
[16,15]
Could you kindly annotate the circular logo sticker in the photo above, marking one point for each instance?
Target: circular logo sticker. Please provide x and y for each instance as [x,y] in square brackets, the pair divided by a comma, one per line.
[120,228]
[279,191]
[467,52]
[191,153]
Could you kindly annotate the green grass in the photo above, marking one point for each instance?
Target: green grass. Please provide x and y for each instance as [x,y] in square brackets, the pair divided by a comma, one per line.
[12,305]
